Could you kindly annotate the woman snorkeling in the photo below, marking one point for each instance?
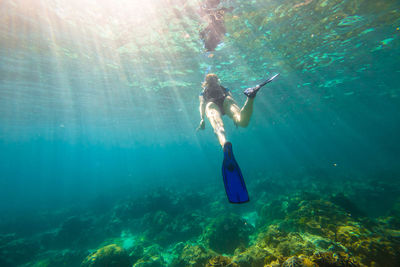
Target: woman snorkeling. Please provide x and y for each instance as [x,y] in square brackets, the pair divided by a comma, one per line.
[215,101]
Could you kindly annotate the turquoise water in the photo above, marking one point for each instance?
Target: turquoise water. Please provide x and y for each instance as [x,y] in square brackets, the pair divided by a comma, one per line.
[98,141]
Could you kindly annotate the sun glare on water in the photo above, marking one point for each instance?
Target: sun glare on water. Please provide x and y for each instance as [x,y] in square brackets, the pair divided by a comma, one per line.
[100,56]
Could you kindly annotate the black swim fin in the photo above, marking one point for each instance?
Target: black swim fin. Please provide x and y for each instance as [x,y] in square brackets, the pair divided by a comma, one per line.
[233,179]
[252,91]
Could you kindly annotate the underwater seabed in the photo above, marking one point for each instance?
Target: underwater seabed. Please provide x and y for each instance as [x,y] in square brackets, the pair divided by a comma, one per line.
[309,218]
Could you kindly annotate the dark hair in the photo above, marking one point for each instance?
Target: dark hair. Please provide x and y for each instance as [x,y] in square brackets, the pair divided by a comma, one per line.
[211,80]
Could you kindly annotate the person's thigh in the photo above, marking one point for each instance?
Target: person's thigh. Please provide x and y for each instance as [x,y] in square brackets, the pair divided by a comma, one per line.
[231,108]
[213,114]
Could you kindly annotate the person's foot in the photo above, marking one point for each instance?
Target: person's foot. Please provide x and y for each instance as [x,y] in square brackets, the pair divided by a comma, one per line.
[227,146]
[252,91]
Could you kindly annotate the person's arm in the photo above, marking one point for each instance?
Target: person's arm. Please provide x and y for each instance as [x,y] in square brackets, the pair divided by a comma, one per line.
[202,107]
[202,110]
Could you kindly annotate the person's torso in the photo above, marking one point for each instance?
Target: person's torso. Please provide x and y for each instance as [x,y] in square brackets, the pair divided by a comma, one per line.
[214,94]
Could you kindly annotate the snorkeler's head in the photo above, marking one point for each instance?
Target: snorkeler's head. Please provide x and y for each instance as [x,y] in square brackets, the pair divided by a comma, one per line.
[211,80]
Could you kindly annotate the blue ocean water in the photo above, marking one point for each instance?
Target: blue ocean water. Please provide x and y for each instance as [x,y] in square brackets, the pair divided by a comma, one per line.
[99,109]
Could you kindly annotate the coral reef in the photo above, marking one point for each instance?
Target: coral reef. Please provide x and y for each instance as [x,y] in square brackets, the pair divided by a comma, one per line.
[111,255]
[295,228]
[151,257]
[17,251]
[272,211]
[252,256]
[312,227]
[220,261]
[293,262]
[228,232]
[280,244]
[165,229]
[191,255]
[329,259]
[345,203]
[65,258]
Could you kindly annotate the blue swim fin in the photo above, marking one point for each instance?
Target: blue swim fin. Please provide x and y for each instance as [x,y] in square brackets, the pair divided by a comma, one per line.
[233,179]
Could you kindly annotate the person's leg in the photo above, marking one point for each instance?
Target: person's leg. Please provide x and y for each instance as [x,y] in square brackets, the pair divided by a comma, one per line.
[241,117]
[214,116]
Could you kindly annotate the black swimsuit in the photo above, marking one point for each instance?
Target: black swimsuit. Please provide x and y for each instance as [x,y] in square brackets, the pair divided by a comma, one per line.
[216,96]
